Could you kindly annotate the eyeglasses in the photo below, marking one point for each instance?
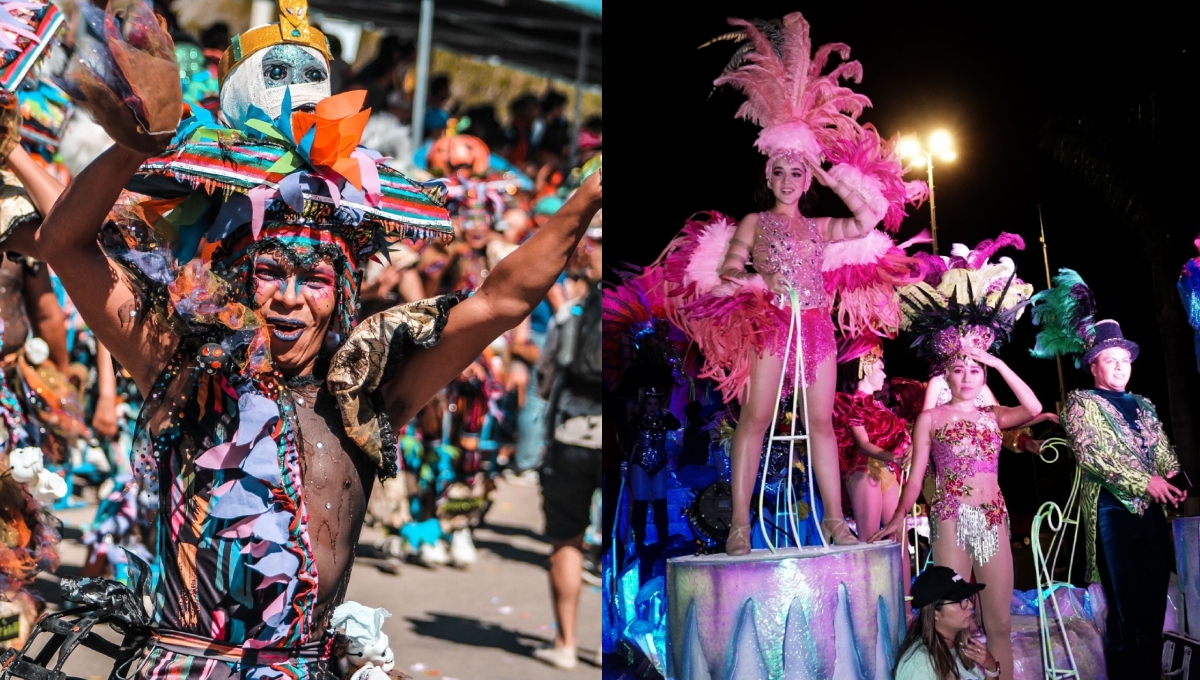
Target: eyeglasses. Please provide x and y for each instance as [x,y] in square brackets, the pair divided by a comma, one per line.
[962,604]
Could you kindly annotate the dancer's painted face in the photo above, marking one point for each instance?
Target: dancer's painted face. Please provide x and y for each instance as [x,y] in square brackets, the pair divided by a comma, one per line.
[966,379]
[788,181]
[1112,369]
[298,304]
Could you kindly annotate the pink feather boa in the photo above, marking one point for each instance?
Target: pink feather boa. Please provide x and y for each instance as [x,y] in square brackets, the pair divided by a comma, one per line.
[863,275]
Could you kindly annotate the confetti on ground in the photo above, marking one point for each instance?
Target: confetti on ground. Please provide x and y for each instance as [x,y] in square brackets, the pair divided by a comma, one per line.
[524,615]
[418,667]
[506,610]
[505,506]
[543,627]
[495,600]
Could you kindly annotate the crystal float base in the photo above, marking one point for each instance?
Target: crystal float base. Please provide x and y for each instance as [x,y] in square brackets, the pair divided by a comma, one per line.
[812,613]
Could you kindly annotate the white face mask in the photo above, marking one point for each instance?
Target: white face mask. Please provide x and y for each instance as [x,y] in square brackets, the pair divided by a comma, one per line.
[264,76]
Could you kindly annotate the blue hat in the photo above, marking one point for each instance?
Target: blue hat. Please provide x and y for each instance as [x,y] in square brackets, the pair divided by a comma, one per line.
[436,119]
[1108,335]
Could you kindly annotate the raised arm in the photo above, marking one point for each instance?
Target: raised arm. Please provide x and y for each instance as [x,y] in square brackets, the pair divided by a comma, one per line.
[916,477]
[43,189]
[508,295]
[100,290]
[1030,406]
[844,228]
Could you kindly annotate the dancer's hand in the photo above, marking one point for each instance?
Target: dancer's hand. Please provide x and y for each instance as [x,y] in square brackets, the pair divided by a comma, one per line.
[984,358]
[820,175]
[1161,491]
[890,531]
[977,652]
[775,284]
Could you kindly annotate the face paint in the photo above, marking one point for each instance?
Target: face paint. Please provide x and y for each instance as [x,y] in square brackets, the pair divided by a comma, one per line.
[264,76]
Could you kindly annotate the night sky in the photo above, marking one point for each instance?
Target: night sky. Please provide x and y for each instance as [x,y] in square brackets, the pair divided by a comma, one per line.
[993,79]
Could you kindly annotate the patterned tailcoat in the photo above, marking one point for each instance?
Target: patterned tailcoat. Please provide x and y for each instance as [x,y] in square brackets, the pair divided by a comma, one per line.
[1114,456]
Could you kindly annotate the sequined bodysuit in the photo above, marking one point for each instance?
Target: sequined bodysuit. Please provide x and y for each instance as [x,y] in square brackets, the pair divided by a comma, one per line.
[792,249]
[650,442]
[961,449]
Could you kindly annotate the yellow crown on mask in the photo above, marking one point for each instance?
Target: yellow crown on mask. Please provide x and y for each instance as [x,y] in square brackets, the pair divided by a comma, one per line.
[292,29]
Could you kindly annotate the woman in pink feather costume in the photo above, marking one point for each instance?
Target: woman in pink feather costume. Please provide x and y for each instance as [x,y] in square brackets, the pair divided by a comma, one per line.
[788,250]
[740,320]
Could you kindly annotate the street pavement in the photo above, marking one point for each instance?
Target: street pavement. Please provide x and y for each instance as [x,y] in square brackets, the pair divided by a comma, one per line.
[481,623]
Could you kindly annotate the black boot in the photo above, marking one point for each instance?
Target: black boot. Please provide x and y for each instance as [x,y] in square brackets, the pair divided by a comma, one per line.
[661,525]
[640,510]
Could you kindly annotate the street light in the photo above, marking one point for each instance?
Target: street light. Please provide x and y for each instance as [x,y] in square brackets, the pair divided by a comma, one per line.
[918,155]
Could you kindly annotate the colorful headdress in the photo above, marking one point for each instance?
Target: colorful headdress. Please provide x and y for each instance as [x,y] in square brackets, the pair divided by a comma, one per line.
[1067,315]
[867,350]
[974,304]
[298,186]
[293,28]
[25,32]
[802,112]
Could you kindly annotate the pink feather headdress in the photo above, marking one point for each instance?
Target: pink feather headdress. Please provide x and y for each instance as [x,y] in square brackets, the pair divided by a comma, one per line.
[801,110]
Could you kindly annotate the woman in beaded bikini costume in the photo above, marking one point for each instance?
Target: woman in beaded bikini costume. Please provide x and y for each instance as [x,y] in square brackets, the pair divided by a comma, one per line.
[969,520]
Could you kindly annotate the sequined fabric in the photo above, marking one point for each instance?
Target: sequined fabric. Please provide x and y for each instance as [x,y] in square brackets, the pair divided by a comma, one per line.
[963,448]
[977,529]
[816,333]
[650,443]
[792,249]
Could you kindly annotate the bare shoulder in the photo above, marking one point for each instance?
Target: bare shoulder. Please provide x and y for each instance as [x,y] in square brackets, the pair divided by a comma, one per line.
[750,220]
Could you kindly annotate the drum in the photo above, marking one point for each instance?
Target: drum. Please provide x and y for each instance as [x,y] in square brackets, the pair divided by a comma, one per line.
[711,512]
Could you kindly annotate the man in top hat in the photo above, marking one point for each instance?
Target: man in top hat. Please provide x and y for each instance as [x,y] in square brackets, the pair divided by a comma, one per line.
[1127,462]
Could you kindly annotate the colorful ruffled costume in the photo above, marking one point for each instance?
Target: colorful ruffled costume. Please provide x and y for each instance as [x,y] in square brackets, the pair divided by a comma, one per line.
[884,429]
[238,590]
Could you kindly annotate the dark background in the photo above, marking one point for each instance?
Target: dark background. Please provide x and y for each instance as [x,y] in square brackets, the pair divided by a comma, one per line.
[993,78]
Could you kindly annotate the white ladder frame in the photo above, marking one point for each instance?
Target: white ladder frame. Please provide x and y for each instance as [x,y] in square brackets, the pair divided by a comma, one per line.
[794,332]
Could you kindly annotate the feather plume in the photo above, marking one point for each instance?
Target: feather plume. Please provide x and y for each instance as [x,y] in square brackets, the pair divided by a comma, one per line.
[1067,316]
[869,165]
[784,85]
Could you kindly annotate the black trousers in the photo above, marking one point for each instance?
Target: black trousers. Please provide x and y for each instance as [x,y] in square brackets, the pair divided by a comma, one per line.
[1134,555]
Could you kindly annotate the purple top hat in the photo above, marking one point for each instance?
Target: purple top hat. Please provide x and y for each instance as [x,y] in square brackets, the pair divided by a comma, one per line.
[1108,334]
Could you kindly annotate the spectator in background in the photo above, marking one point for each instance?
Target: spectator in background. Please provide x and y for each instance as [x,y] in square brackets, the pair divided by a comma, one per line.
[519,140]
[556,129]
[386,73]
[215,37]
[570,373]
[439,94]
[484,125]
[340,73]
